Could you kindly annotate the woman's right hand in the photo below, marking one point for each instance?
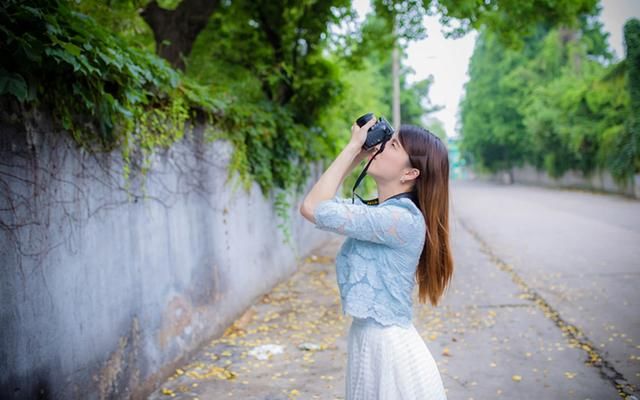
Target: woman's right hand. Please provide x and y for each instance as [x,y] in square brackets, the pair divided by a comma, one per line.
[359,134]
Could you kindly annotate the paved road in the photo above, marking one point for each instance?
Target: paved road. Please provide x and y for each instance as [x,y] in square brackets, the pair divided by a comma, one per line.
[540,307]
[577,254]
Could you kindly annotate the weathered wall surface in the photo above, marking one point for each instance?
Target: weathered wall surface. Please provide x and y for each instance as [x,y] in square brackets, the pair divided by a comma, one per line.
[601,181]
[103,293]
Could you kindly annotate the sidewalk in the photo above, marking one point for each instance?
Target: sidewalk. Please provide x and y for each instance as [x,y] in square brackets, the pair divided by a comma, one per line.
[489,337]
[305,309]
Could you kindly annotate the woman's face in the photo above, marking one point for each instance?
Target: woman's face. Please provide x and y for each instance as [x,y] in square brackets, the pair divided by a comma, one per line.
[391,163]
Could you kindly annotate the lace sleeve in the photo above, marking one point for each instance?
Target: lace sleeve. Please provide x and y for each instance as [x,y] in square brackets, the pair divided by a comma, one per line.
[389,224]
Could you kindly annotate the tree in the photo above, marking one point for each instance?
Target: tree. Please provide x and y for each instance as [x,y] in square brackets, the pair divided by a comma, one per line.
[626,145]
[632,49]
[176,30]
[404,19]
[415,104]
[509,19]
[557,103]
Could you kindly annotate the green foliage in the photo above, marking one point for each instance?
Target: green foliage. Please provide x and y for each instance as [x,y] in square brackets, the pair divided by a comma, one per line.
[632,46]
[280,44]
[362,93]
[556,104]
[283,208]
[437,128]
[629,144]
[365,71]
[413,98]
[492,123]
[256,67]
[407,16]
[262,73]
[61,59]
[284,89]
[266,59]
[121,17]
[510,20]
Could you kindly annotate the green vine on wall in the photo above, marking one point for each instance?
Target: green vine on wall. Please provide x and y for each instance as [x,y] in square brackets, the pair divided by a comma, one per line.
[105,93]
[109,95]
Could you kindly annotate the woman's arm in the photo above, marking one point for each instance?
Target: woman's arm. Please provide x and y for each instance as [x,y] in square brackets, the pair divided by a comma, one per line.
[330,181]
[354,164]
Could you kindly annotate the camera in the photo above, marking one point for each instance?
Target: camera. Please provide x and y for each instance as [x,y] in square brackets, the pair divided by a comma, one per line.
[380,132]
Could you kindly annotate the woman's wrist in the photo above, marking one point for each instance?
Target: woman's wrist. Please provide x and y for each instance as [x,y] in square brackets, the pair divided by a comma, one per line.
[353,148]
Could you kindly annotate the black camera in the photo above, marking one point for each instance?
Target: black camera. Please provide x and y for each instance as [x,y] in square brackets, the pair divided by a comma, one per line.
[380,132]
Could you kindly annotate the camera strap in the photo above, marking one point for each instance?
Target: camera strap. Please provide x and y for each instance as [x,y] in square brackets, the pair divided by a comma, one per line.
[413,196]
[410,195]
[361,177]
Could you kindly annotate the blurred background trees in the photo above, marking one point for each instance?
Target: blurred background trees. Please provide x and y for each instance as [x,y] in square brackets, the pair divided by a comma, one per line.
[284,80]
[558,102]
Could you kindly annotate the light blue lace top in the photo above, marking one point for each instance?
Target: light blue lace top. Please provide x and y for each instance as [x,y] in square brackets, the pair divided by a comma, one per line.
[375,267]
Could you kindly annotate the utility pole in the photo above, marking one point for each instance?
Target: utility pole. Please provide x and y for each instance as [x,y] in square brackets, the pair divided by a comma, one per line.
[395,75]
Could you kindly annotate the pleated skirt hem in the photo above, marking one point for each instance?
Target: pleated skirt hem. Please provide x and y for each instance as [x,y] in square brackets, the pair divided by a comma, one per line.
[389,363]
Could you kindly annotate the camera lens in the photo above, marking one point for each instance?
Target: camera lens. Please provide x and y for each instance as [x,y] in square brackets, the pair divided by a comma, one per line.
[364,119]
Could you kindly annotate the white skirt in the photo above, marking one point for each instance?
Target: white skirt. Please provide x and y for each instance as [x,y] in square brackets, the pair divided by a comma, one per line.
[389,363]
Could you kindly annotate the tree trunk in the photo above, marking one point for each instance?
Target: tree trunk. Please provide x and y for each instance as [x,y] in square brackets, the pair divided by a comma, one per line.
[176,30]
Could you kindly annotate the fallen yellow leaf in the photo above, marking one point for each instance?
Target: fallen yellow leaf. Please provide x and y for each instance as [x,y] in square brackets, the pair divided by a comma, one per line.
[167,391]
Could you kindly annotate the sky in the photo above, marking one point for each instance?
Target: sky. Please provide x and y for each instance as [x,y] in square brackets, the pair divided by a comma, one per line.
[447,59]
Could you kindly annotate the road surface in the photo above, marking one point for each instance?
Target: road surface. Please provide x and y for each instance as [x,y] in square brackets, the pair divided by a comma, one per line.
[543,305]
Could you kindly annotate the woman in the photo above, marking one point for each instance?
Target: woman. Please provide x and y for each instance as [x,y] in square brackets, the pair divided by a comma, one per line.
[389,247]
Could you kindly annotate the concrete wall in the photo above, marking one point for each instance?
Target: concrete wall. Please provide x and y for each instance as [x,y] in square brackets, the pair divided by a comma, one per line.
[102,294]
[601,181]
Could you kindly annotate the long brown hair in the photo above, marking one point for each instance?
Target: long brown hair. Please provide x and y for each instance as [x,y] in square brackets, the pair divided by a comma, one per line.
[428,154]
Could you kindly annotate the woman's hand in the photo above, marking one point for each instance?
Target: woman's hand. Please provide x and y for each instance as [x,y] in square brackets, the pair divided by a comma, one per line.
[332,178]
[359,134]
[358,137]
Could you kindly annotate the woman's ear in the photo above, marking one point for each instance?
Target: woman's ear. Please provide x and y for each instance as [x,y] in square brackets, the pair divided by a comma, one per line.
[414,173]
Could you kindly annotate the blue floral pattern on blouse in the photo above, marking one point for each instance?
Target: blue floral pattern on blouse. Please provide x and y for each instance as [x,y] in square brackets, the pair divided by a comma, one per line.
[375,267]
